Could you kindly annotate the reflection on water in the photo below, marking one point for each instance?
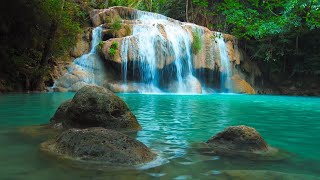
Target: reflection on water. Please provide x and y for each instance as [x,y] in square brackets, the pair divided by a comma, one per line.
[172,125]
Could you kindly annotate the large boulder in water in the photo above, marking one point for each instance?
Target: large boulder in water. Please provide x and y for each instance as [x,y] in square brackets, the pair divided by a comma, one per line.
[243,141]
[99,145]
[94,106]
[238,138]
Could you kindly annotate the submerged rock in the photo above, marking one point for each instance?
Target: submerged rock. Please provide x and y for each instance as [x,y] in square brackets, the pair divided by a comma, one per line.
[99,145]
[243,141]
[259,174]
[94,106]
[39,131]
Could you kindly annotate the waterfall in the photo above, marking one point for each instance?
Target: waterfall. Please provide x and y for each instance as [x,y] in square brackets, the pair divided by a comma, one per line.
[87,69]
[124,57]
[159,55]
[225,68]
[159,41]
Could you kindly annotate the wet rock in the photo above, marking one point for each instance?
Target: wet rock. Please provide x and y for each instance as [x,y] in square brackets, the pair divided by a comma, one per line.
[77,86]
[66,81]
[59,89]
[190,85]
[94,106]
[241,86]
[194,84]
[132,88]
[99,145]
[81,47]
[121,88]
[243,141]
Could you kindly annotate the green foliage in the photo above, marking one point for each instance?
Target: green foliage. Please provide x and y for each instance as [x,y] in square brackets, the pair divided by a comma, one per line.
[116,24]
[197,42]
[112,51]
[114,45]
[70,18]
[256,19]
[113,48]
[100,45]
[27,26]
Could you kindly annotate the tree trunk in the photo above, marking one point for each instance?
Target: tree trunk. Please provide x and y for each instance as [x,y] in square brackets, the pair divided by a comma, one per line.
[284,64]
[47,48]
[187,7]
[297,44]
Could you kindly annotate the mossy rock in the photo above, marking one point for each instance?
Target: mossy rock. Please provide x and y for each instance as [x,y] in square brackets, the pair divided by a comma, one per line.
[242,141]
[99,145]
[94,106]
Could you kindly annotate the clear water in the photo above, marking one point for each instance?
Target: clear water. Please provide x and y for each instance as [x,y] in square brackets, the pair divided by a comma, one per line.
[171,124]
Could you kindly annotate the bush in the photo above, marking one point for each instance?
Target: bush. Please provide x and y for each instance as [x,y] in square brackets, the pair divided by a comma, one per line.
[116,24]
[112,51]
[100,45]
[114,45]
[197,42]
[113,48]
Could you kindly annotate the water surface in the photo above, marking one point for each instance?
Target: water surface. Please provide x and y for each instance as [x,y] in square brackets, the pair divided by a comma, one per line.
[171,125]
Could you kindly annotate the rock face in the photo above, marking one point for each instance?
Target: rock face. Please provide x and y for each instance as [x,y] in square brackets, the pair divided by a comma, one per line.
[99,145]
[238,138]
[94,106]
[241,86]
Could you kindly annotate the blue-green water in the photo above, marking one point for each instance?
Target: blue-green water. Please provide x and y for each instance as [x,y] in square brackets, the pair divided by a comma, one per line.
[171,124]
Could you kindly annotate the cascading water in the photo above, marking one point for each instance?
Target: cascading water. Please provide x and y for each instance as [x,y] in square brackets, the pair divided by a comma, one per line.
[156,54]
[225,71]
[87,69]
[154,32]
[91,62]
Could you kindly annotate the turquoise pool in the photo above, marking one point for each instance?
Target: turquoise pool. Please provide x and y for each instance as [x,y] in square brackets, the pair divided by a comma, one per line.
[171,125]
